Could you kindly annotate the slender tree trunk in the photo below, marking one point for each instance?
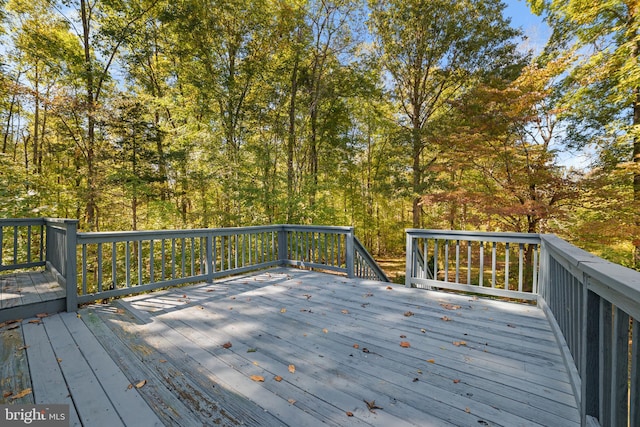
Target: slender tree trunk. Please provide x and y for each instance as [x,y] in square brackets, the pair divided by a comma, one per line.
[291,140]
[417,176]
[36,118]
[636,178]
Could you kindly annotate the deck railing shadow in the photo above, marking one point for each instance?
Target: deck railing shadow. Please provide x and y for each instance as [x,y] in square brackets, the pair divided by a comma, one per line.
[593,305]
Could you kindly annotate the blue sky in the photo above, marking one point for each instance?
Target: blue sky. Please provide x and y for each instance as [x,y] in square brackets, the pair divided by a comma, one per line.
[533,26]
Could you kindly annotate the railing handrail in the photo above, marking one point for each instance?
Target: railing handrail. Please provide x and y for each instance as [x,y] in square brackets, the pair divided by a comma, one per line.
[371,263]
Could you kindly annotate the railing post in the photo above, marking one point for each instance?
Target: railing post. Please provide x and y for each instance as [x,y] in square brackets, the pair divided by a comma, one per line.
[590,393]
[70,273]
[283,253]
[409,261]
[208,269]
[350,262]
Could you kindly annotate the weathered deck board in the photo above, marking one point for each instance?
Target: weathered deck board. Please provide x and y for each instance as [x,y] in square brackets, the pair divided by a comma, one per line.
[27,288]
[14,370]
[343,337]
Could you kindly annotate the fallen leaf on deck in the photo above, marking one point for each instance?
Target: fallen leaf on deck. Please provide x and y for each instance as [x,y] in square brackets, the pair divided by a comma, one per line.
[6,394]
[257,378]
[292,401]
[372,405]
[24,347]
[344,311]
[365,350]
[459,343]
[141,384]
[403,336]
[292,369]
[255,363]
[162,360]
[356,346]
[415,380]
[59,360]
[349,414]
[423,330]
[368,295]
[405,344]
[227,345]
[78,316]
[251,350]
[307,295]
[14,326]
[446,319]
[450,306]
[431,361]
[389,288]
[483,423]
[210,290]
[277,378]
[456,381]
[283,310]
[23,393]
[408,314]
[467,410]
[325,330]
[510,325]
[419,371]
[41,315]
[36,321]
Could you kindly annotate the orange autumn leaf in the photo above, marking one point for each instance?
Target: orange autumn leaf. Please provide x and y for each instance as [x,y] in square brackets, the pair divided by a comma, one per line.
[405,344]
[141,384]
[459,343]
[283,310]
[257,378]
[389,288]
[227,345]
[349,414]
[41,315]
[356,346]
[277,378]
[431,361]
[292,369]
[345,311]
[325,330]
[456,381]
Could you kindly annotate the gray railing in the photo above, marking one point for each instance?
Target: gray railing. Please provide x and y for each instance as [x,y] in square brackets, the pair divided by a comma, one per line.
[592,305]
[22,243]
[119,263]
[365,267]
[499,264]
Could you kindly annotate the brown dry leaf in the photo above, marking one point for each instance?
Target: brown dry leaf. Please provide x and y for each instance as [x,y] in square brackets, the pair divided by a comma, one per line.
[23,393]
[277,378]
[24,347]
[14,326]
[59,360]
[41,315]
[307,296]
[349,414]
[292,369]
[456,381]
[372,405]
[446,319]
[325,330]
[405,344]
[423,330]
[356,346]
[130,386]
[431,361]
[467,410]
[35,321]
[450,306]
[510,325]
[162,360]
[403,336]
[459,343]
[141,384]
[344,311]
[210,290]
[227,345]
[7,394]
[408,314]
[257,378]
[292,401]
[389,288]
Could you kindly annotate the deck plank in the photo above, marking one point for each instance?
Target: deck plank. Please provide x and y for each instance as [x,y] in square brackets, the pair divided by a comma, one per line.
[14,369]
[92,403]
[49,386]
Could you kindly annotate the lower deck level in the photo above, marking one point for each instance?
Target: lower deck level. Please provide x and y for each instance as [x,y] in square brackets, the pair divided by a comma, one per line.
[288,347]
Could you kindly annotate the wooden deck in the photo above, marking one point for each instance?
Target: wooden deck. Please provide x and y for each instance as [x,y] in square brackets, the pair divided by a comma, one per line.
[26,293]
[297,348]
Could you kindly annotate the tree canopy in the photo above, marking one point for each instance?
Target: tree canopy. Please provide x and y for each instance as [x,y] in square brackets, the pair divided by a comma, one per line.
[383,115]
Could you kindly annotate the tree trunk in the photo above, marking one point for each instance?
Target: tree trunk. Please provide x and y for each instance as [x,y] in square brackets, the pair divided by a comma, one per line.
[291,140]
[417,177]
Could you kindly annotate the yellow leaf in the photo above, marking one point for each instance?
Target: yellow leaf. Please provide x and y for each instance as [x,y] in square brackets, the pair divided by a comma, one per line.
[283,310]
[325,330]
[459,343]
[141,384]
[23,393]
[257,378]
[78,316]
[431,361]
[162,360]
[292,369]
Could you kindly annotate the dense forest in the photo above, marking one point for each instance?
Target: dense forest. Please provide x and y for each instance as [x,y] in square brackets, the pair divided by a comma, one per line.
[146,114]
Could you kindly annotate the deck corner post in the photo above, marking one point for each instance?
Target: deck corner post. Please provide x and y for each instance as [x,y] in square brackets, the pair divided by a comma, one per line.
[70,272]
[283,253]
[409,261]
[209,257]
[590,364]
[350,256]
